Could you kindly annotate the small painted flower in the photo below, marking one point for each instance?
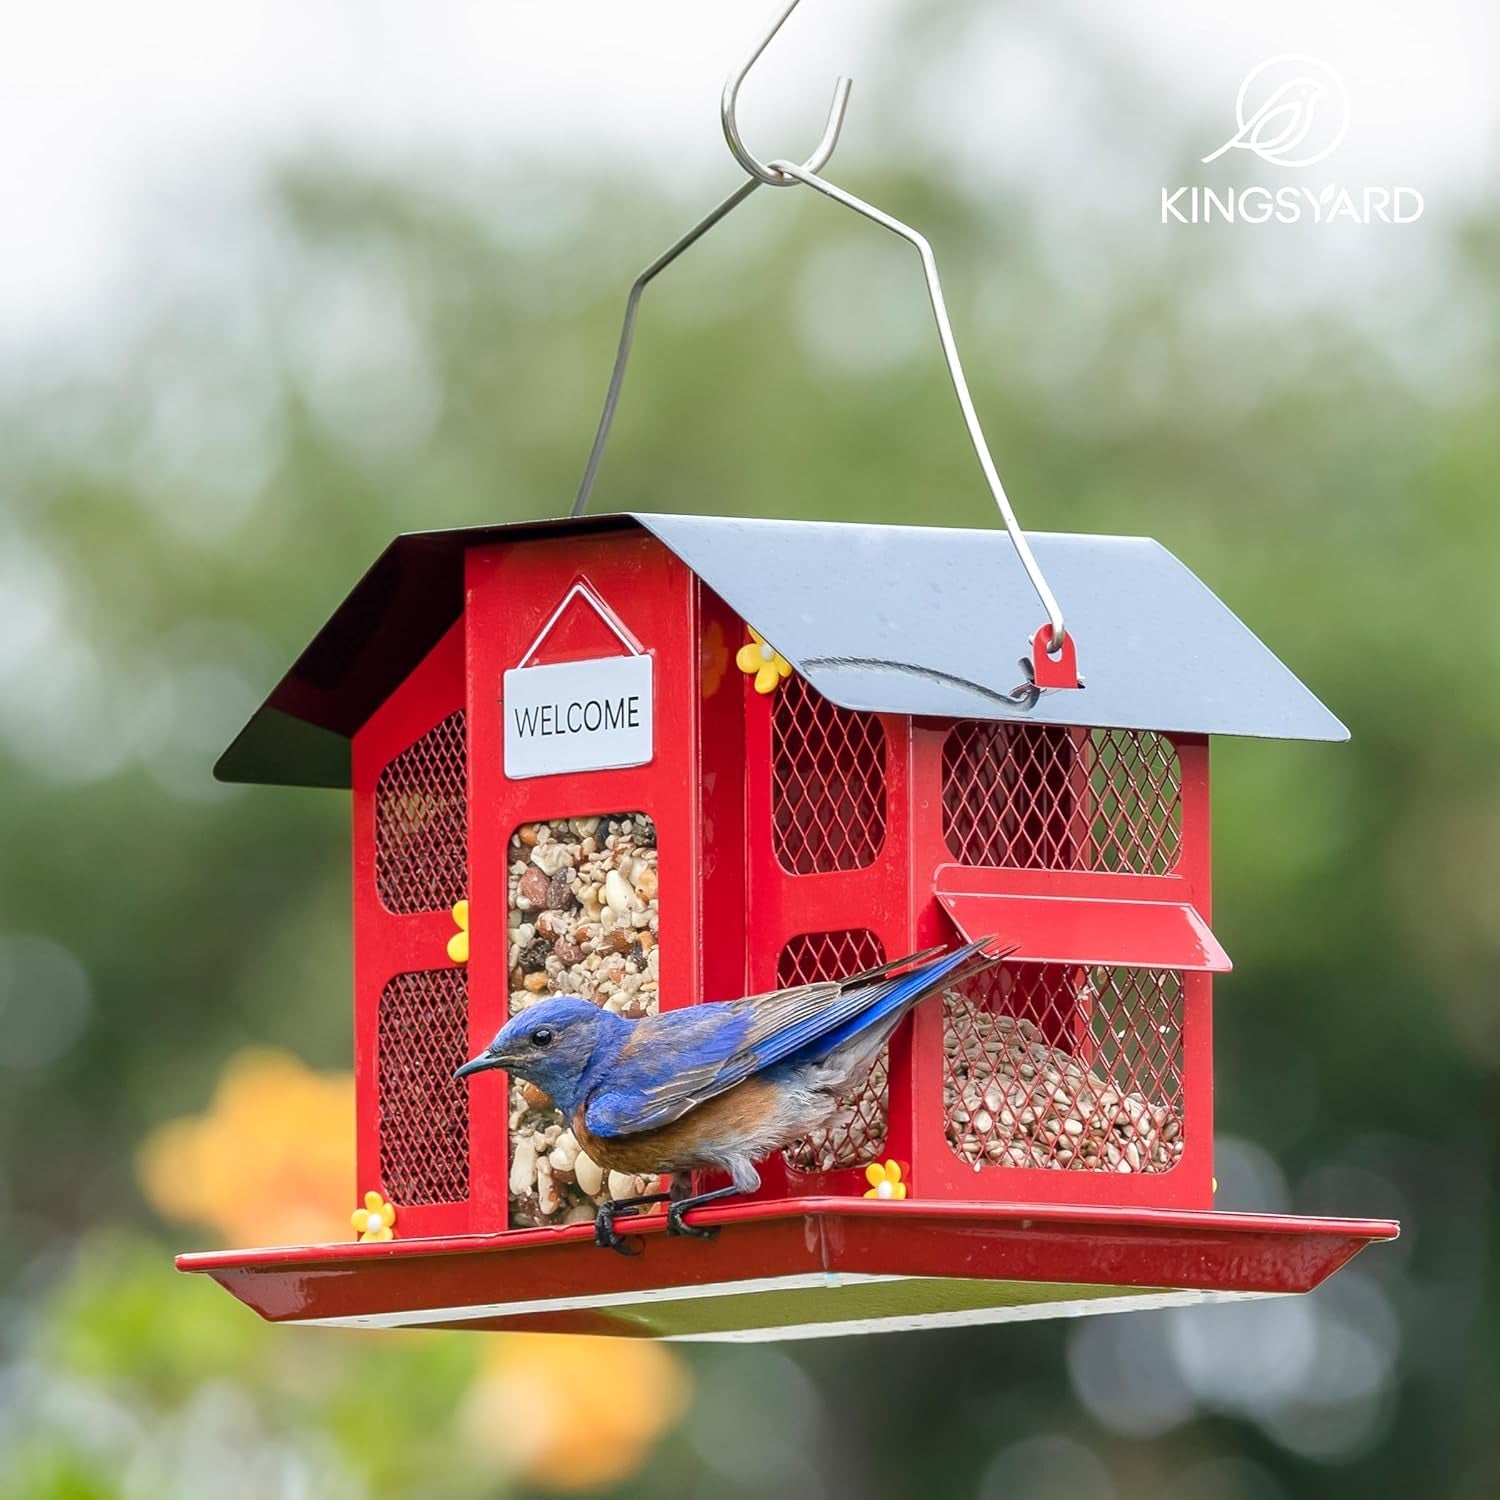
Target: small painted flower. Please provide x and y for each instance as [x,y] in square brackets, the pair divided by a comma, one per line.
[374,1220]
[458,944]
[761,660]
[885,1180]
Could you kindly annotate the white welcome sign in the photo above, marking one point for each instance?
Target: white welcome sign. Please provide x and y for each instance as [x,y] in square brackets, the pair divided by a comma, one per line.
[594,715]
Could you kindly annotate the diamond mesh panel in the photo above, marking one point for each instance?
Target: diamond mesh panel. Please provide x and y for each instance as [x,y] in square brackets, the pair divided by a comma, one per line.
[856,1132]
[424,1111]
[1035,797]
[827,783]
[1053,1065]
[421,823]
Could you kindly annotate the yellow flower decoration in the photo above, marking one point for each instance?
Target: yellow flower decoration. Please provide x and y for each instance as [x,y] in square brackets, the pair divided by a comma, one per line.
[762,661]
[374,1220]
[458,944]
[885,1180]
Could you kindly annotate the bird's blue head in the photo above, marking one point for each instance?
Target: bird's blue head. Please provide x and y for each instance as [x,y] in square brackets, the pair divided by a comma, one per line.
[559,1045]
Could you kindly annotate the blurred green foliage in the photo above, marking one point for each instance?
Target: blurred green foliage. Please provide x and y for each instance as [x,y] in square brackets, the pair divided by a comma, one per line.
[139,1381]
[347,357]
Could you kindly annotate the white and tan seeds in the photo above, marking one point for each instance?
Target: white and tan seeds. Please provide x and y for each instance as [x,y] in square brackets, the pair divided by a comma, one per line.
[1012,1099]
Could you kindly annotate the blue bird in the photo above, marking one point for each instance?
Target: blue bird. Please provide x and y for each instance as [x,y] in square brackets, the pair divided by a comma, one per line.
[720,1085]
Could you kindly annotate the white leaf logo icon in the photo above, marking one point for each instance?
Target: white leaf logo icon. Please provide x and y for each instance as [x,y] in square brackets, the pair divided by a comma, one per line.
[1292,110]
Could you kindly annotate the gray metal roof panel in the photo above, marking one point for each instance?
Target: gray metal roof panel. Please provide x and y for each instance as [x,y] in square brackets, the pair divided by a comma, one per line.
[932,621]
[914,620]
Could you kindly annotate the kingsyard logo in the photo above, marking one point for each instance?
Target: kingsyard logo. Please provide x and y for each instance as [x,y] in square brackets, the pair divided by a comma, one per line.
[1292,110]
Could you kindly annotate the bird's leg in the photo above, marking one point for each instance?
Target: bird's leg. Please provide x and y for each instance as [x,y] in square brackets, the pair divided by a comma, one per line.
[616,1204]
[677,1225]
[606,1235]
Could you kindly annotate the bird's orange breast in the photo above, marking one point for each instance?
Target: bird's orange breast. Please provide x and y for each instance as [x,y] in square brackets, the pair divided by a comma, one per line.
[692,1141]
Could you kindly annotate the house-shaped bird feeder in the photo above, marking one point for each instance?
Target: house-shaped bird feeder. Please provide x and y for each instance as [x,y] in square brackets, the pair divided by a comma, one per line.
[662,760]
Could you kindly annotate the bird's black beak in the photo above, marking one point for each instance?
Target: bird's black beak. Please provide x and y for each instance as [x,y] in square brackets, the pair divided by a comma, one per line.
[482,1064]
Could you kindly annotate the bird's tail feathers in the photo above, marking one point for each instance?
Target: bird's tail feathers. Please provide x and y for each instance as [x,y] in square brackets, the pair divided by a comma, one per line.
[891,966]
[974,958]
[861,1037]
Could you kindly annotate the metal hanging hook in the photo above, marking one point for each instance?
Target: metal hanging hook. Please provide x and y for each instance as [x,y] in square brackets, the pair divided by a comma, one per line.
[760,174]
[769,172]
[1054,662]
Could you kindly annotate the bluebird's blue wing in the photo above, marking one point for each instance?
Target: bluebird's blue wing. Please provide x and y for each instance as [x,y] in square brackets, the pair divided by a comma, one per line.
[679,1059]
[857,1009]
[663,1051]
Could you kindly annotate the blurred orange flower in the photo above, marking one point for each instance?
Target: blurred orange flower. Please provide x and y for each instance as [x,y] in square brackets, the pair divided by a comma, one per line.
[270,1163]
[613,1398]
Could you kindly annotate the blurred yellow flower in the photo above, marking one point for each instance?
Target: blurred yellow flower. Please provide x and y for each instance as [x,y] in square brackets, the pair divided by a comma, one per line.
[761,660]
[885,1180]
[269,1163]
[458,944]
[374,1220]
[617,1397]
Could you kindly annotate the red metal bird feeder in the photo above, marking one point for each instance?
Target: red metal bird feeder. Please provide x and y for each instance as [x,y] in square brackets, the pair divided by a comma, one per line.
[658,761]
[1054,1125]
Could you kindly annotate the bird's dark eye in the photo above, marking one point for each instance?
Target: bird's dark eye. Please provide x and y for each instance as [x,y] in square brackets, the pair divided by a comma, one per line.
[542,1037]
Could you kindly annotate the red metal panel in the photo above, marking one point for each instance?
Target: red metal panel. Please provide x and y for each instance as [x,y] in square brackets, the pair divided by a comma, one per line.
[724,840]
[414,861]
[1140,1248]
[1057,816]
[512,590]
[843,894]
[932,1172]
[1195,1172]
[1146,934]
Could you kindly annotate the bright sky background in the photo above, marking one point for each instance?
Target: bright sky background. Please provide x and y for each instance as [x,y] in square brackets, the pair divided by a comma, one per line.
[109,111]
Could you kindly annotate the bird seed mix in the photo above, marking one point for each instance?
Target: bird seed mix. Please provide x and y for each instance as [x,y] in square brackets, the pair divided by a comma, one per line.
[583,921]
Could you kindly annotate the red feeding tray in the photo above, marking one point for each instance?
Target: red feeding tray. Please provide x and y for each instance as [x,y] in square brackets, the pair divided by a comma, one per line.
[801,1268]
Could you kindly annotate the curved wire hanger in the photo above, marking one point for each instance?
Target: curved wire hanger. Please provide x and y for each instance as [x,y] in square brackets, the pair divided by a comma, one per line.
[729,106]
[1051,640]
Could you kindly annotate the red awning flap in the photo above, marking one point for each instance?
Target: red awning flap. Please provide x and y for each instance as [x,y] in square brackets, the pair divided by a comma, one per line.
[1127,933]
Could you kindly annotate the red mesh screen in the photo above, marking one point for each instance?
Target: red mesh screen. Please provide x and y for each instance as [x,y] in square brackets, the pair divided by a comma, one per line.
[827,783]
[424,1111]
[1053,1065]
[421,823]
[856,1132]
[1034,797]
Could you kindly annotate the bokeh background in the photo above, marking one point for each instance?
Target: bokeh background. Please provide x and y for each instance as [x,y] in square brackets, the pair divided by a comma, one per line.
[279,281]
